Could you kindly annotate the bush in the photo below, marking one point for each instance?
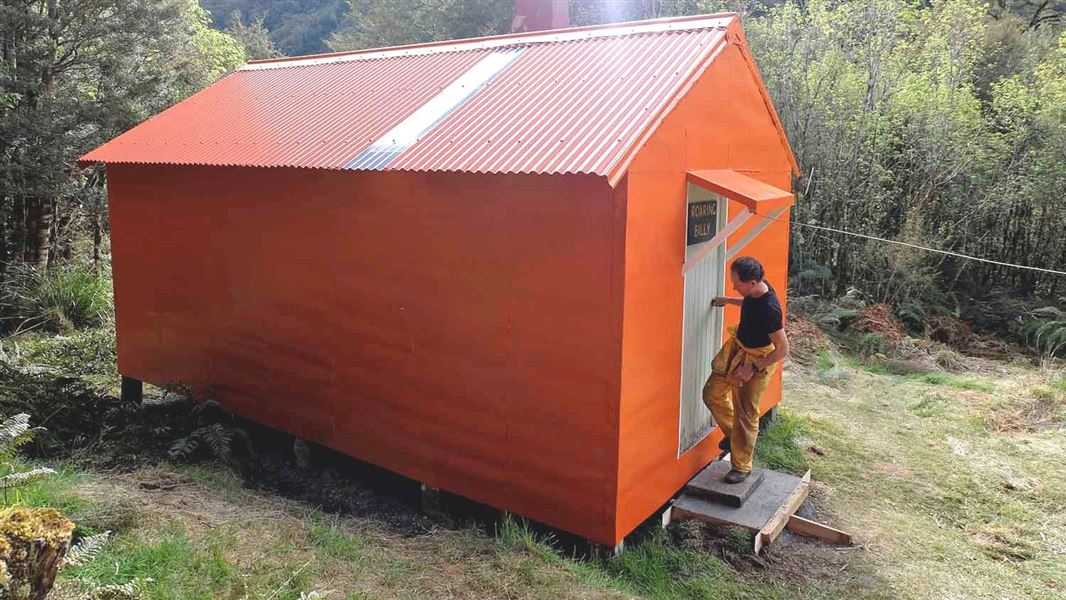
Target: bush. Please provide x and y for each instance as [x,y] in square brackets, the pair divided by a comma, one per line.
[58,299]
[87,354]
[869,344]
[1048,337]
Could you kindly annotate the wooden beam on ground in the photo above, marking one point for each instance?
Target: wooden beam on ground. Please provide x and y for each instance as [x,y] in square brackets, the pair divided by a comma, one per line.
[777,522]
[817,530]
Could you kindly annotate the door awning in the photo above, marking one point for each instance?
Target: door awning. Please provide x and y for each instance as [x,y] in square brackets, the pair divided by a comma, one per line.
[758,197]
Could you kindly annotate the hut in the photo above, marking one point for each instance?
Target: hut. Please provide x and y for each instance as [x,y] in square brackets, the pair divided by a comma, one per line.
[484,264]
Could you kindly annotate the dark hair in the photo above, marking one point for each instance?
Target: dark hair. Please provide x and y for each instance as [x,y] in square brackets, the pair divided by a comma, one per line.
[748,269]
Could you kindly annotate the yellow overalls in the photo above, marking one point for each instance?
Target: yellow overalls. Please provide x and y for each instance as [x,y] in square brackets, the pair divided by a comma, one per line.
[736,409]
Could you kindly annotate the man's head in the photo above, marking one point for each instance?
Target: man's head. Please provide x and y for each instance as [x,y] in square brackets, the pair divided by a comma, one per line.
[746,273]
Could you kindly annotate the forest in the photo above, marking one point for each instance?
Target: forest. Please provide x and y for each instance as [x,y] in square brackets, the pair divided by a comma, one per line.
[924,394]
[938,124]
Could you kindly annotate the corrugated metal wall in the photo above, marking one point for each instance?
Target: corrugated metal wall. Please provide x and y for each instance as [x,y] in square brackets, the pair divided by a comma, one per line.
[702,336]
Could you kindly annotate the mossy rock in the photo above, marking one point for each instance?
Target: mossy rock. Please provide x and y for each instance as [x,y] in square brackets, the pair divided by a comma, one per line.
[33,542]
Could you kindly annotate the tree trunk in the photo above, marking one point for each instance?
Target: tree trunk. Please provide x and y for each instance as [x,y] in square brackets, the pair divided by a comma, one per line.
[97,239]
[41,242]
[34,543]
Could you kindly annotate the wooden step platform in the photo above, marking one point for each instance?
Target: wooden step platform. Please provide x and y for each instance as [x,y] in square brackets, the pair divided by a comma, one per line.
[766,506]
[708,484]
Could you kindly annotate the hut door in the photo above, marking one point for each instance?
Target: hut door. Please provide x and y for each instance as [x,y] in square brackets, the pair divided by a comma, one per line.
[702,334]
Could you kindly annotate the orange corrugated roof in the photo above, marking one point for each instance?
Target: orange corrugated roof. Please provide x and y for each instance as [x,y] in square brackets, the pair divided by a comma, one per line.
[566,101]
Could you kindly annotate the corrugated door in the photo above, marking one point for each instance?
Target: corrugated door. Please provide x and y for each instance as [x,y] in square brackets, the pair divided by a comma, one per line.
[702,323]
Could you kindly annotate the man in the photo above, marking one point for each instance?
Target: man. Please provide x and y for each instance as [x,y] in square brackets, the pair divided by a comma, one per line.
[743,367]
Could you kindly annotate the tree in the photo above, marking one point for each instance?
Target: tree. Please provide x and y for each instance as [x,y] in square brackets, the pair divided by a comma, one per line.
[376,23]
[76,73]
[254,37]
[295,26]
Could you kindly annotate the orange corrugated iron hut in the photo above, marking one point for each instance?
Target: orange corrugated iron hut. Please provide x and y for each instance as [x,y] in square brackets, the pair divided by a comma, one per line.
[485,264]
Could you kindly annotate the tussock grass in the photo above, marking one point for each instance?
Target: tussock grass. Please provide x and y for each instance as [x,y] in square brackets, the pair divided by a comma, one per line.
[57,299]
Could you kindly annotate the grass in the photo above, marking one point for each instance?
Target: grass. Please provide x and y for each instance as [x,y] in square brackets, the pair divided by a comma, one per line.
[945,501]
[783,446]
[948,506]
[955,381]
[1059,384]
[56,299]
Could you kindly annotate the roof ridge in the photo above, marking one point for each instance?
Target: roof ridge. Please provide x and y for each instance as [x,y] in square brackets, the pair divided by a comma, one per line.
[664,25]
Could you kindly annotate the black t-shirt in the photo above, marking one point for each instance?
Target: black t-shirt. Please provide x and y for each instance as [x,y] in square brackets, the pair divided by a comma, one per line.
[759,317]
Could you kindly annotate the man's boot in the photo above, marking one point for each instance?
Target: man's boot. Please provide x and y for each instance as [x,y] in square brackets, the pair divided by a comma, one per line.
[735,476]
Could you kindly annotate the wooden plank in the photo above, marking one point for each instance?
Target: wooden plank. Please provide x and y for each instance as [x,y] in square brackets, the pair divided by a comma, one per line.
[752,515]
[776,524]
[817,530]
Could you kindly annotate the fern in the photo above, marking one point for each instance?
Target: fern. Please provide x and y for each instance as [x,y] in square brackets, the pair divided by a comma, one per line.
[86,550]
[185,447]
[21,478]
[133,590]
[1049,337]
[14,432]
[217,438]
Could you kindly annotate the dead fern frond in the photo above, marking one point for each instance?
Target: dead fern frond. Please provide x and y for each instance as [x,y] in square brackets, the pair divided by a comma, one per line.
[87,549]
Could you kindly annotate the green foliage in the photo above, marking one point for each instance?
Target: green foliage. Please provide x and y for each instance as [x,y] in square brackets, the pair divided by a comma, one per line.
[930,406]
[657,568]
[1059,384]
[295,26]
[56,299]
[253,36]
[869,344]
[327,534]
[15,432]
[214,438]
[88,354]
[376,23]
[74,74]
[208,436]
[955,381]
[515,533]
[783,445]
[933,124]
[1048,336]
[171,561]
[831,368]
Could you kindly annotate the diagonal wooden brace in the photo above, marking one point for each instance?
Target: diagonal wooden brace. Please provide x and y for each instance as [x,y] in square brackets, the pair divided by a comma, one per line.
[719,238]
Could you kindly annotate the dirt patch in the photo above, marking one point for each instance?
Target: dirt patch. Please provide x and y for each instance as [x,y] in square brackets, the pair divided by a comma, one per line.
[122,500]
[993,348]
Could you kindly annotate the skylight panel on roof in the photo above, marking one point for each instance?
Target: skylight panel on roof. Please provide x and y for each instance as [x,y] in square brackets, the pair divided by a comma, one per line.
[404,135]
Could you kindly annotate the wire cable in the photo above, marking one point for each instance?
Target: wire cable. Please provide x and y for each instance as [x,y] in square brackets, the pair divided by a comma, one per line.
[899,243]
